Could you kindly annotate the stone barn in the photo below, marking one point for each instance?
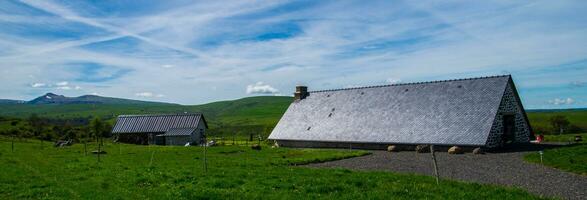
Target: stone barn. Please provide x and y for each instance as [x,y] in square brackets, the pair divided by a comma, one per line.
[475,112]
[166,129]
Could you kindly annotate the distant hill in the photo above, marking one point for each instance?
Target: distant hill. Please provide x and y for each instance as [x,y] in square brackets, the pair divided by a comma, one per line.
[51,98]
[243,116]
[10,101]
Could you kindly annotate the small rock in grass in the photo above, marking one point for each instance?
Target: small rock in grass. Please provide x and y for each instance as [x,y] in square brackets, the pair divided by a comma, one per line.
[478,150]
[455,150]
[392,148]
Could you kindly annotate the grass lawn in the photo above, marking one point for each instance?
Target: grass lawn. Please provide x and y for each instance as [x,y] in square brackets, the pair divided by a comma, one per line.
[572,158]
[565,138]
[139,172]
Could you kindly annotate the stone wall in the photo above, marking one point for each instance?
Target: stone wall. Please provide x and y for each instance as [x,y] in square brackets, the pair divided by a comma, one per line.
[509,105]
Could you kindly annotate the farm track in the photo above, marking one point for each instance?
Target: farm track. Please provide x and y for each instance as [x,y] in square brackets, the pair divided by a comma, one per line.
[503,168]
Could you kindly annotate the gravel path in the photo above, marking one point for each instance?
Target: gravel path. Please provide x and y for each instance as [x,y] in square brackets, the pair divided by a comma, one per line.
[503,168]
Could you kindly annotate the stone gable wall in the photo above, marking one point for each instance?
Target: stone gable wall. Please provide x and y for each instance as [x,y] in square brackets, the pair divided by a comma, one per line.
[509,105]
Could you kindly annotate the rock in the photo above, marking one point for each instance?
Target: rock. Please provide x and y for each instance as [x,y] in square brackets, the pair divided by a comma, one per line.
[256,147]
[455,150]
[392,148]
[478,150]
[423,148]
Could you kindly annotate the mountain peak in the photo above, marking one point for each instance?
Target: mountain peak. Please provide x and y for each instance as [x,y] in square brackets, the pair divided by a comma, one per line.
[52,98]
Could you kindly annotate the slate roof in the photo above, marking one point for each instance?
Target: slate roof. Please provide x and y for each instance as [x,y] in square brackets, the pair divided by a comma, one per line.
[156,123]
[455,112]
[179,132]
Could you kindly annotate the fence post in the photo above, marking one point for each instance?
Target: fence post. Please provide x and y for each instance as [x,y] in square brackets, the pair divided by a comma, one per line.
[435,165]
[205,155]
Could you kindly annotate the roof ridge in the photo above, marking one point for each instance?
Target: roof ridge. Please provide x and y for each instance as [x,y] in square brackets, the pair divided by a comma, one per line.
[160,115]
[412,83]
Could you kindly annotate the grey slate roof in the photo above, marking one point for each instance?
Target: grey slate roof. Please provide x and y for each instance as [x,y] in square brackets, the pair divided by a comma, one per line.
[455,112]
[179,132]
[156,123]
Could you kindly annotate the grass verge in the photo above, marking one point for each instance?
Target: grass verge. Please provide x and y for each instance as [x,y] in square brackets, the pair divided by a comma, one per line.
[572,158]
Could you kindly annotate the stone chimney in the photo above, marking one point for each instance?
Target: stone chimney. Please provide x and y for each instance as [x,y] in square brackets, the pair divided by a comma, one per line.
[301,92]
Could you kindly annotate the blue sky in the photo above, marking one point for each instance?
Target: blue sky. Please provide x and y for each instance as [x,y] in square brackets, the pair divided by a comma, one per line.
[193,52]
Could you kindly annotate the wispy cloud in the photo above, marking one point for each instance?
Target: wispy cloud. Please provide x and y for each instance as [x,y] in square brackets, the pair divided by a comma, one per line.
[562,101]
[181,46]
[149,94]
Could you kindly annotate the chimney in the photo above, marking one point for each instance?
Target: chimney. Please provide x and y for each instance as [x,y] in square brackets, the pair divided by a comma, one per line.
[301,92]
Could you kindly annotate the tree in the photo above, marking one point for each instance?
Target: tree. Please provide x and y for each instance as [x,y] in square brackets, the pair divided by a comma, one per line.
[99,130]
[559,123]
[37,125]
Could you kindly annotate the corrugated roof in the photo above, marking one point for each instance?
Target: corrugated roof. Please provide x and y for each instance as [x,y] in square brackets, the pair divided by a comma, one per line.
[457,112]
[179,132]
[156,123]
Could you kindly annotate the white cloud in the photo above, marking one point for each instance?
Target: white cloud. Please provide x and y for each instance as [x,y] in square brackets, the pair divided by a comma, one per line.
[64,83]
[167,66]
[562,101]
[38,85]
[261,88]
[149,94]
[144,94]
[393,80]
[63,88]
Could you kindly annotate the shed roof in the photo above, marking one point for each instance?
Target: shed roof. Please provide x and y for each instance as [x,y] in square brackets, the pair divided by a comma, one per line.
[179,132]
[457,112]
[156,123]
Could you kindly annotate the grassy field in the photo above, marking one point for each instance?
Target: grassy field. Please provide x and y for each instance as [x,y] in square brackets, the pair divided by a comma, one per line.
[540,119]
[141,172]
[565,138]
[572,158]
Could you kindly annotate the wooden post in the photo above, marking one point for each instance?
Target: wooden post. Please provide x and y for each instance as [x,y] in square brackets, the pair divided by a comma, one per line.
[99,150]
[541,159]
[205,155]
[435,165]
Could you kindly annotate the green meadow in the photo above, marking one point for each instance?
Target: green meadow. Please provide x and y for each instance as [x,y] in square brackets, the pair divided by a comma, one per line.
[571,158]
[33,171]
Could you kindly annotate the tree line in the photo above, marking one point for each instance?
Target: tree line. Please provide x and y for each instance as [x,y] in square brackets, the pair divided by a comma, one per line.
[45,129]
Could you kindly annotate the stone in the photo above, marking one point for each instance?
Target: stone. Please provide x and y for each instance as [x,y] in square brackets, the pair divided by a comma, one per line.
[392,148]
[478,150]
[423,148]
[256,147]
[455,150]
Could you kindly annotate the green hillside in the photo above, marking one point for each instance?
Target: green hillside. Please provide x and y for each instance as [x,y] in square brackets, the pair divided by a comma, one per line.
[252,115]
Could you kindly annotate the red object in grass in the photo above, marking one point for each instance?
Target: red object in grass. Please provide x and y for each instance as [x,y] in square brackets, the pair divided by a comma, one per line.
[539,138]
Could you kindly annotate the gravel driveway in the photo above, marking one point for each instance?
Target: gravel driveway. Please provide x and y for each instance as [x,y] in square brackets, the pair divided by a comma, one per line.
[503,168]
